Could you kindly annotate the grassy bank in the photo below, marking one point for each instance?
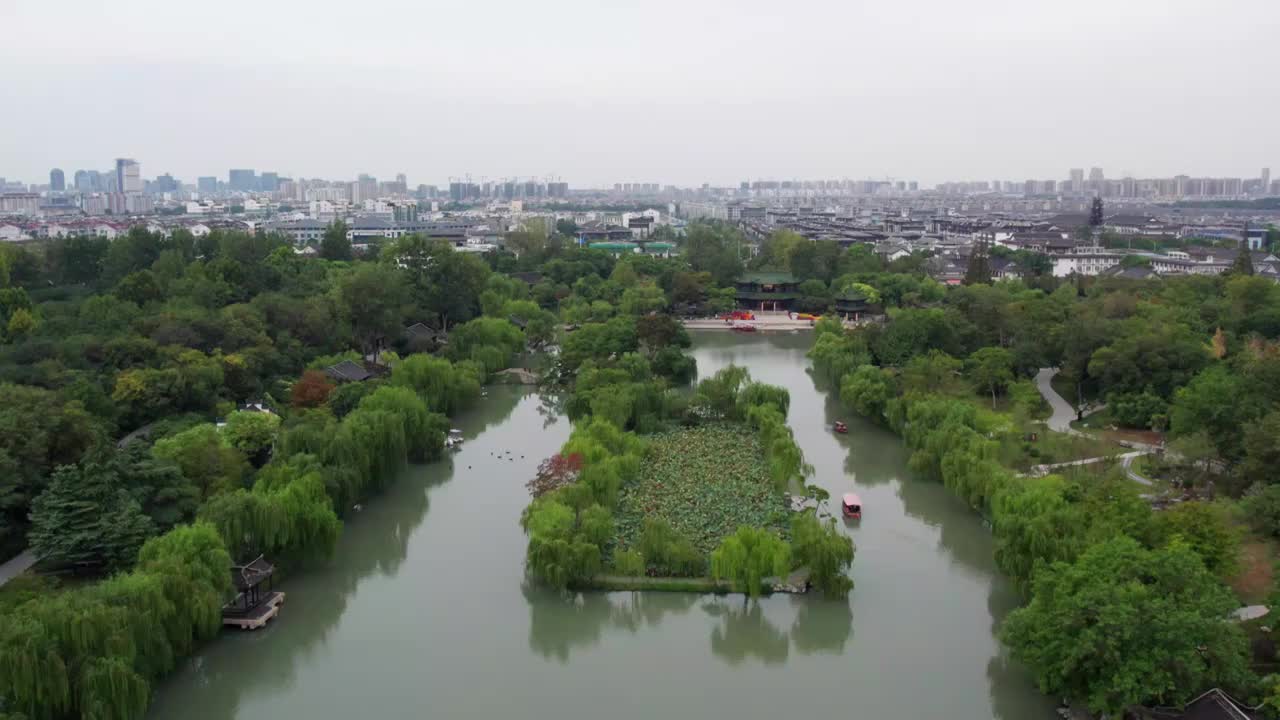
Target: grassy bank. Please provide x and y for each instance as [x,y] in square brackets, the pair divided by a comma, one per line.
[625,583]
[612,583]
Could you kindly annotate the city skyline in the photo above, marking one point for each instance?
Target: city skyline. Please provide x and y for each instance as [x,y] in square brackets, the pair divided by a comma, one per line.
[1074,178]
[713,92]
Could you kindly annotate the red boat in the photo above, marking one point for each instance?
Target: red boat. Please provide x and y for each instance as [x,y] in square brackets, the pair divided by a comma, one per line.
[851,506]
[841,428]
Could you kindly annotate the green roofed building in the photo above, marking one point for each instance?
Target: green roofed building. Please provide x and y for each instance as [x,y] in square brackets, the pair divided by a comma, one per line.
[852,305]
[767,291]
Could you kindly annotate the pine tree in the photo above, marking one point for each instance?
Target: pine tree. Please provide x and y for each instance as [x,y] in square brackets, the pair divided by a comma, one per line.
[335,245]
[1095,213]
[87,516]
[1243,264]
[979,271]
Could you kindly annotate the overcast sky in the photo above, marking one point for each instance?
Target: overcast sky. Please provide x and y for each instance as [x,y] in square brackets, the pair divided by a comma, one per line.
[666,91]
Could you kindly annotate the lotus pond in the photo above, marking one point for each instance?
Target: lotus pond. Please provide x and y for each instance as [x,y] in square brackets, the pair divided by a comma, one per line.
[704,482]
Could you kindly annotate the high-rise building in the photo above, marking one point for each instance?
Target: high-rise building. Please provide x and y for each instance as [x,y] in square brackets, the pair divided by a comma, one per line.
[269,182]
[1266,179]
[1077,180]
[364,188]
[404,181]
[57,181]
[207,185]
[128,176]
[82,181]
[165,184]
[242,180]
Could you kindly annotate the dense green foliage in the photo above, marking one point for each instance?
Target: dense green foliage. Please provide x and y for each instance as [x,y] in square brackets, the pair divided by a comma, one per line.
[93,652]
[163,335]
[1125,625]
[1127,604]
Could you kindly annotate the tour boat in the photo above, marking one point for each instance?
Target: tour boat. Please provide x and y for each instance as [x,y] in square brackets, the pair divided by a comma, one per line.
[841,428]
[851,506]
[744,327]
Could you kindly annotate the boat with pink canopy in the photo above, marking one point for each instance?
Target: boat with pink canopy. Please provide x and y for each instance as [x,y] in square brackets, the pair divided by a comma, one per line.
[851,506]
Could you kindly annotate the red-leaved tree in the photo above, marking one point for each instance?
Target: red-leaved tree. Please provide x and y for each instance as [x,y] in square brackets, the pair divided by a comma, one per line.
[555,472]
[311,390]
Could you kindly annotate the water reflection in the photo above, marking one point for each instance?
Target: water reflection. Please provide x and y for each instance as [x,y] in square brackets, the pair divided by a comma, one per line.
[557,625]
[743,632]
[374,543]
[822,625]
[560,623]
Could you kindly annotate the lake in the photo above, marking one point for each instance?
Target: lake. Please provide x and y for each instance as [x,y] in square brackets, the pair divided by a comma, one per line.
[424,611]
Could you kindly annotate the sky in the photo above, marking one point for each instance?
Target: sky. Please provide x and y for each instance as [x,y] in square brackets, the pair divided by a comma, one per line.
[680,92]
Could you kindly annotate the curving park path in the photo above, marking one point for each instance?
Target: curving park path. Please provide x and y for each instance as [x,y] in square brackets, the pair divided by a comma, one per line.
[1063,412]
[1060,421]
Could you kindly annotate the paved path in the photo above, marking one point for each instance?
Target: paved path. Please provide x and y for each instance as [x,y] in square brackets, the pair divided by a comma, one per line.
[1063,412]
[1127,464]
[1060,421]
[16,566]
[1126,460]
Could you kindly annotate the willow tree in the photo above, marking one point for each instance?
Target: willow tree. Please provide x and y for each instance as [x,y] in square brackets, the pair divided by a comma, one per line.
[717,396]
[825,550]
[368,446]
[424,430]
[280,517]
[443,386]
[1033,522]
[785,459]
[559,552]
[92,652]
[748,556]
[192,562]
[756,393]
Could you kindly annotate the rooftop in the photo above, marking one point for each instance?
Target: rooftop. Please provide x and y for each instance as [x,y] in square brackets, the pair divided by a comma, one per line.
[767,278]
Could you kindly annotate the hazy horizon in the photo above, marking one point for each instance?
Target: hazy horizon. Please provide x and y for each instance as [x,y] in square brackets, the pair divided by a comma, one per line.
[660,92]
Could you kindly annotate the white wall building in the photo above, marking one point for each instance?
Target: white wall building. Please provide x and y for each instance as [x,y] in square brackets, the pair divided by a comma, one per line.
[1084,261]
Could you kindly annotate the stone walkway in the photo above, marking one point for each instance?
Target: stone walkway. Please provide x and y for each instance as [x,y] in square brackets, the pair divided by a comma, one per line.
[16,566]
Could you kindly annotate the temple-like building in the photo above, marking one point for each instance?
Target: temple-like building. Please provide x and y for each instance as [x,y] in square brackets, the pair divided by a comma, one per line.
[766,291]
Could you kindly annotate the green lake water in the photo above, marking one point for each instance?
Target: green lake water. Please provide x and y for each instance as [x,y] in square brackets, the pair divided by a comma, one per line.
[424,612]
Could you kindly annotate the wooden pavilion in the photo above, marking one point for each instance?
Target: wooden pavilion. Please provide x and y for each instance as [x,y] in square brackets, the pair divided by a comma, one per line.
[254,605]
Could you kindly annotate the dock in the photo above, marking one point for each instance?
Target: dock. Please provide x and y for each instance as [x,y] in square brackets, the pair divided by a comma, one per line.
[257,616]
